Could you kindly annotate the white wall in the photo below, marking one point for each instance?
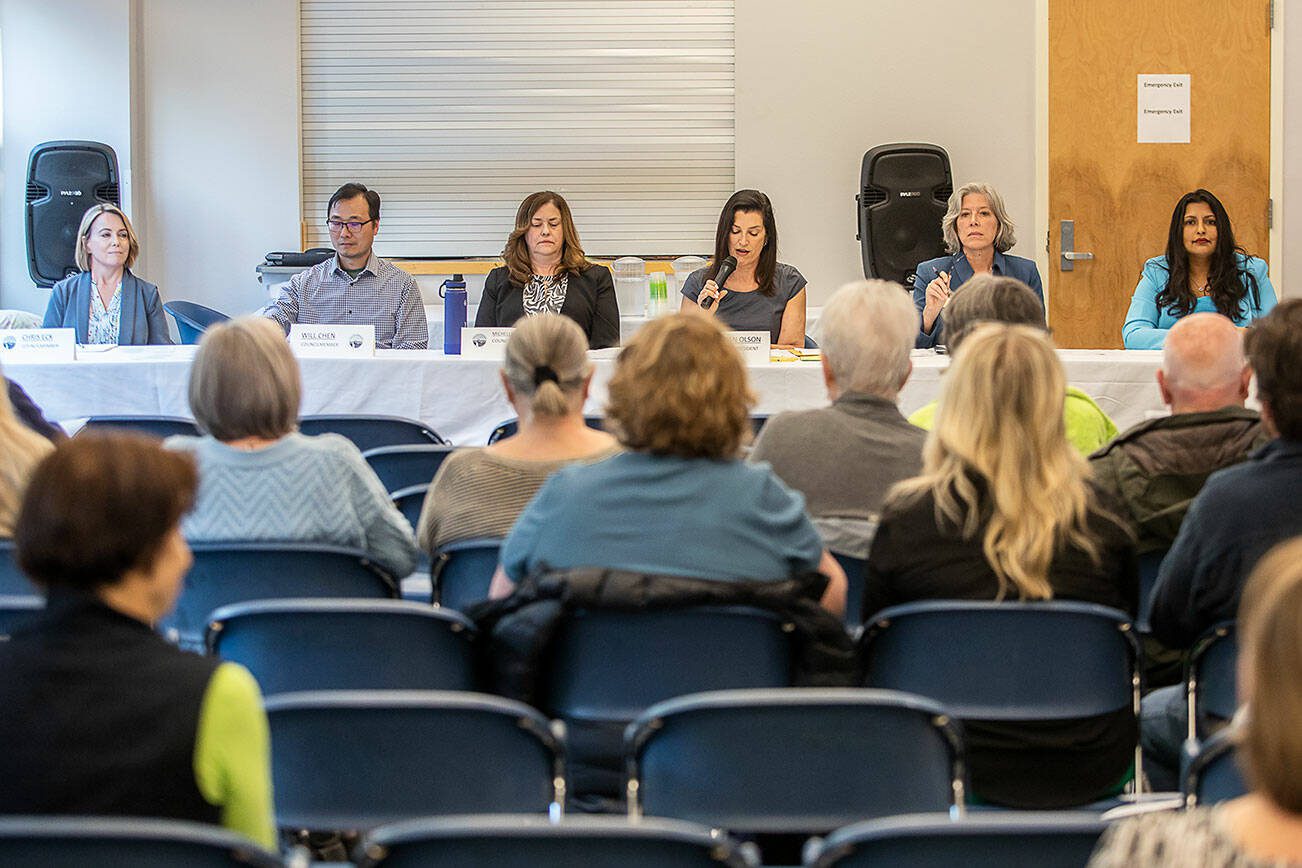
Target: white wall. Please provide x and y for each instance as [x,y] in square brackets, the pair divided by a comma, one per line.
[820,83]
[67,75]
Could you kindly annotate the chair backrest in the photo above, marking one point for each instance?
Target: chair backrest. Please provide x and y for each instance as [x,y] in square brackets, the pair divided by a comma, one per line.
[793,761]
[1025,839]
[13,581]
[372,432]
[298,645]
[533,842]
[855,571]
[192,320]
[14,610]
[1212,679]
[154,426]
[461,572]
[400,467]
[410,501]
[511,426]
[1214,775]
[225,573]
[359,759]
[125,843]
[1149,564]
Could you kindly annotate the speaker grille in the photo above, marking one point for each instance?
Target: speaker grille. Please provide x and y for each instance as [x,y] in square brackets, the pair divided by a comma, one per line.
[107,193]
[873,196]
[943,192]
[36,191]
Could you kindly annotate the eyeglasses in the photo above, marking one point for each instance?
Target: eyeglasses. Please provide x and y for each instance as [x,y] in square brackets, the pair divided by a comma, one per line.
[352,225]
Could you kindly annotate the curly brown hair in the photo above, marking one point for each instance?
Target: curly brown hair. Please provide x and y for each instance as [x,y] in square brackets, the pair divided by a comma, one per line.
[680,388]
[516,253]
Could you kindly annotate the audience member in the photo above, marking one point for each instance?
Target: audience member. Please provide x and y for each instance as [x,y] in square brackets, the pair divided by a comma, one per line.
[262,481]
[1004,510]
[989,298]
[547,272]
[102,715]
[355,285]
[680,501]
[1203,270]
[762,294]
[105,302]
[546,375]
[978,235]
[1263,827]
[845,457]
[20,450]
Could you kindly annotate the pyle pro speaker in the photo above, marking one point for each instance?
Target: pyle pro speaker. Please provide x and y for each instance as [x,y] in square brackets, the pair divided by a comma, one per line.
[63,180]
[903,193]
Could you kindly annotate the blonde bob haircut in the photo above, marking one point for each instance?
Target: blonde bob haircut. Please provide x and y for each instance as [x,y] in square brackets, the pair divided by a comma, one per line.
[83,234]
[1270,675]
[21,449]
[245,382]
[1004,238]
[547,362]
[680,389]
[999,448]
[516,252]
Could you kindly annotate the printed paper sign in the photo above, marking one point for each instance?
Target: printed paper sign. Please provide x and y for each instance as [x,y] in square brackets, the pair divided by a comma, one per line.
[1163,108]
[20,346]
[484,343]
[754,346]
[333,341]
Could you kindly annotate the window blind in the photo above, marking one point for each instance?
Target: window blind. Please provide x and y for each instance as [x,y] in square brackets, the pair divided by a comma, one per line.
[455,110]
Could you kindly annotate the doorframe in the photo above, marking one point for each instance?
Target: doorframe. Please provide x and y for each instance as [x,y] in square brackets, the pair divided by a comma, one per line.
[1042,227]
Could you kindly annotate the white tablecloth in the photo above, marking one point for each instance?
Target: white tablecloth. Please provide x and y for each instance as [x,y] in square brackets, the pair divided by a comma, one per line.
[462,399]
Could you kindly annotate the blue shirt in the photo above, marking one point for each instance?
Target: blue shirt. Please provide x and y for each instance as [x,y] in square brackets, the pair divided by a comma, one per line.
[692,517]
[1146,326]
[960,272]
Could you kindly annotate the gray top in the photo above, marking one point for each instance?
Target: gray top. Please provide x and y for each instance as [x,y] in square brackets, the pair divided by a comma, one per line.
[1174,839]
[753,311]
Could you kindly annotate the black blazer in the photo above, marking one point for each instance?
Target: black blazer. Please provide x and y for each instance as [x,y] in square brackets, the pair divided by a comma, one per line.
[589,301]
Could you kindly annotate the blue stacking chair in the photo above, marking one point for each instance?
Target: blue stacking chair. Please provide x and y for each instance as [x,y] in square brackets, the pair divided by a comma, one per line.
[401,467]
[16,610]
[153,426]
[356,759]
[297,645]
[511,426]
[533,842]
[1213,775]
[410,501]
[1211,679]
[225,573]
[1149,564]
[1027,839]
[13,581]
[372,432]
[461,571]
[855,571]
[55,842]
[793,761]
[1008,661]
[192,320]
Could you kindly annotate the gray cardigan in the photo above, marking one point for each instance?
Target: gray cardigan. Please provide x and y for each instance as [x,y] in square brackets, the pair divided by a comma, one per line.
[142,322]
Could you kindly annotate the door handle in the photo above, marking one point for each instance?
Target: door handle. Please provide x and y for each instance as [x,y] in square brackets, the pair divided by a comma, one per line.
[1069,258]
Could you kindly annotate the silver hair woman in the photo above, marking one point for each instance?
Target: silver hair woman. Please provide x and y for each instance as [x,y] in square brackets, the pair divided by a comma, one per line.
[978,234]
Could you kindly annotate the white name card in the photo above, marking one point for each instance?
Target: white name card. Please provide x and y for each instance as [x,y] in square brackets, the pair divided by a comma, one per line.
[38,345]
[333,341]
[754,346]
[484,343]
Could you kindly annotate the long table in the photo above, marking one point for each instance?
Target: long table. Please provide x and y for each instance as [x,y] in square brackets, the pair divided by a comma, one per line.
[463,400]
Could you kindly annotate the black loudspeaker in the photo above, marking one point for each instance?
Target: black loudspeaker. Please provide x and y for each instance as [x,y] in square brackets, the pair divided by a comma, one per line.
[63,180]
[903,192]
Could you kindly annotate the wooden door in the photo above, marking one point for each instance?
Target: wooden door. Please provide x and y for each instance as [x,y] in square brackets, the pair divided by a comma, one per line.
[1119,193]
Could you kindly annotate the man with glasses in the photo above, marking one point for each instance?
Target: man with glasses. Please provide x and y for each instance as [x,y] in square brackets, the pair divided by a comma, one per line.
[355,286]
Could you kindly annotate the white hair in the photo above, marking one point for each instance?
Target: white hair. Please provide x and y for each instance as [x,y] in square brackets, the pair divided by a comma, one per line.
[866,332]
[1004,238]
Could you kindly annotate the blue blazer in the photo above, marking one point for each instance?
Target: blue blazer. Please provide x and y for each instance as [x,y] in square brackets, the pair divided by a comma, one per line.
[1146,326]
[143,321]
[959,273]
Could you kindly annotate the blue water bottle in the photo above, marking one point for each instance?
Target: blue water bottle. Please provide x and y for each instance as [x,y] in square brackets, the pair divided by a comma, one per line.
[453,292]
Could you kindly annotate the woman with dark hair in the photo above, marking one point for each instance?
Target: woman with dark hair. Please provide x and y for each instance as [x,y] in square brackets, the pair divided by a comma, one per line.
[547,272]
[761,294]
[1203,269]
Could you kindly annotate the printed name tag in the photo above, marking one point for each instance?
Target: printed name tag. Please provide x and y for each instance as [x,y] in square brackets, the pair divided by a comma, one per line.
[484,343]
[334,341]
[38,345]
[754,346]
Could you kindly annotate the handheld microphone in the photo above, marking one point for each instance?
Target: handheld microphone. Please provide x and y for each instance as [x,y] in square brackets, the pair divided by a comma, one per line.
[726,268]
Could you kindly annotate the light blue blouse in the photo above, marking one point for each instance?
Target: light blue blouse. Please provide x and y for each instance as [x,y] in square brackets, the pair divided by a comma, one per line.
[1146,326]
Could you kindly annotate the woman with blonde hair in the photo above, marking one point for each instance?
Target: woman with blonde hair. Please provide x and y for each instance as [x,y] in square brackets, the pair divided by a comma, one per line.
[21,449]
[480,492]
[546,271]
[1263,827]
[1004,510]
[106,303]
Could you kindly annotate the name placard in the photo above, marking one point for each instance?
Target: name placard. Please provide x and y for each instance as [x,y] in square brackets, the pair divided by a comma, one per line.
[332,341]
[484,343]
[38,345]
[754,346]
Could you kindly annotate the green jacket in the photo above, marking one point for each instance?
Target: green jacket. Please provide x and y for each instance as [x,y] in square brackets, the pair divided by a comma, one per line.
[1088,427]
